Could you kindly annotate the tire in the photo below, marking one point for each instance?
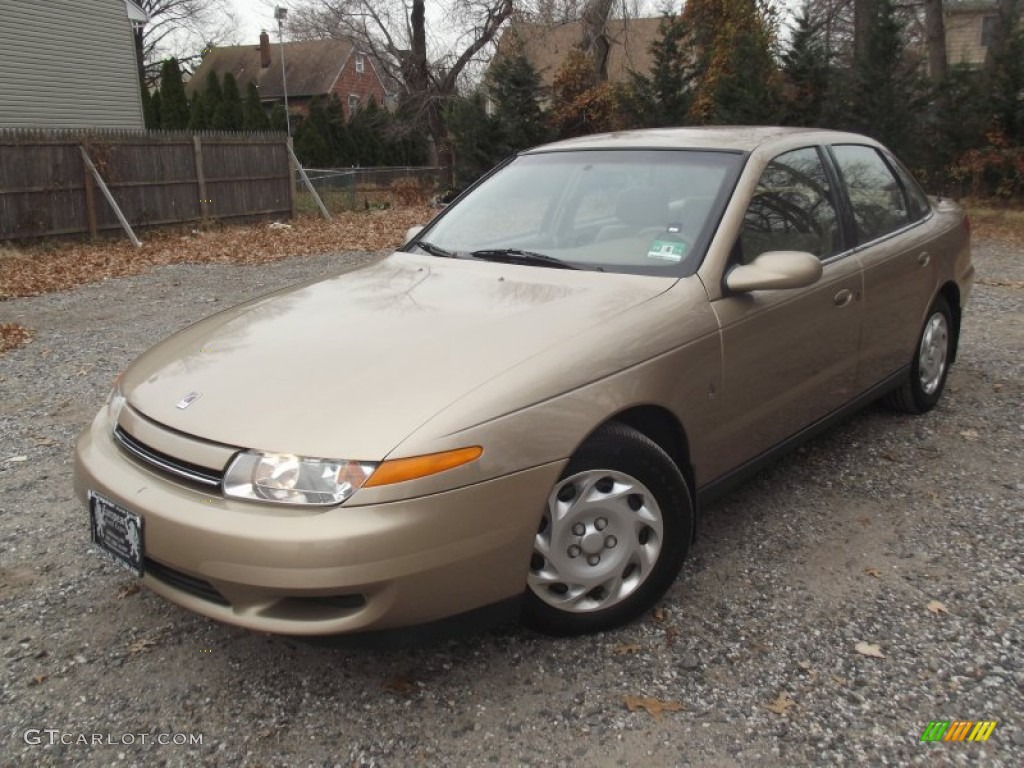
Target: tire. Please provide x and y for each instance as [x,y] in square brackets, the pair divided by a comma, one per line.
[921,390]
[615,532]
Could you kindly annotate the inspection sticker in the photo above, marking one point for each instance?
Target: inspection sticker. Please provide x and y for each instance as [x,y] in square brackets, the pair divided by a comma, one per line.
[666,250]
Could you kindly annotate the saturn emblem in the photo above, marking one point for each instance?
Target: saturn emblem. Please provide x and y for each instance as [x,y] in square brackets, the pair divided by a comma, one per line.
[188,399]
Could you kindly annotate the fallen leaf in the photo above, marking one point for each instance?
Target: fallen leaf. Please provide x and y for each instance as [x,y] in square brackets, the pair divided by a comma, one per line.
[59,266]
[38,679]
[873,572]
[970,435]
[869,649]
[782,704]
[401,685]
[13,336]
[805,665]
[140,645]
[653,707]
[660,614]
[128,590]
[839,680]
[670,636]
[864,520]
[624,649]
[16,458]
[936,607]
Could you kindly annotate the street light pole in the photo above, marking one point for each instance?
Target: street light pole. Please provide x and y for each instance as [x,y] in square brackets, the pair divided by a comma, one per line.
[281,14]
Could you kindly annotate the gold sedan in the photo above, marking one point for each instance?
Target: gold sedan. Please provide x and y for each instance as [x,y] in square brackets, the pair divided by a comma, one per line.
[525,408]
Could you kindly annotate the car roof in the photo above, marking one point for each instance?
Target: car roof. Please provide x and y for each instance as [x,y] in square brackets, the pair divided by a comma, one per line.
[736,138]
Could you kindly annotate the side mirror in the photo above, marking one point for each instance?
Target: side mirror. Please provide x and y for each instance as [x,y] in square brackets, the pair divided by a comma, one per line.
[775,269]
[411,232]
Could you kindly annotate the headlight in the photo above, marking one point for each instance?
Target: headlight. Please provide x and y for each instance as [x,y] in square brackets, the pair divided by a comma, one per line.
[115,404]
[288,479]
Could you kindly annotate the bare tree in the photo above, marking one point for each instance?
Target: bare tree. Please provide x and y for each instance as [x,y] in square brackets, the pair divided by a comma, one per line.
[592,38]
[935,33]
[427,67]
[180,28]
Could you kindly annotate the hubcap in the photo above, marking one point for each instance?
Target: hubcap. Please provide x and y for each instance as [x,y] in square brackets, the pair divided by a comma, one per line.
[598,542]
[931,363]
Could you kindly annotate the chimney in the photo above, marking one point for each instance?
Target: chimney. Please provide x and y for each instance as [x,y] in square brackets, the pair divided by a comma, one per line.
[264,49]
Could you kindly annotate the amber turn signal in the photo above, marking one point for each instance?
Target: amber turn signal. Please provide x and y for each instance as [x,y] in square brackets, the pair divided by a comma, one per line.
[400,470]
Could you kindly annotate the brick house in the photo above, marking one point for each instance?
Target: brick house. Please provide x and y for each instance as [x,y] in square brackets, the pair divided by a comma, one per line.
[312,68]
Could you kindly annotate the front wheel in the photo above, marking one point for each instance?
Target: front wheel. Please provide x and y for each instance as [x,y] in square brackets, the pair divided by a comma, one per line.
[930,367]
[613,537]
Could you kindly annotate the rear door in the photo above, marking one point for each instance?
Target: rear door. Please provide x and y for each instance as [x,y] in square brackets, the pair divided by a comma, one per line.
[890,215]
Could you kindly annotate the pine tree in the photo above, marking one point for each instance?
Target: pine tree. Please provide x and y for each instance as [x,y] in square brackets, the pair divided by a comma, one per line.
[474,136]
[736,79]
[253,116]
[278,118]
[310,147]
[887,93]
[1007,85]
[663,96]
[198,120]
[212,97]
[154,106]
[806,68]
[343,149]
[228,114]
[364,125]
[514,86]
[173,104]
[151,119]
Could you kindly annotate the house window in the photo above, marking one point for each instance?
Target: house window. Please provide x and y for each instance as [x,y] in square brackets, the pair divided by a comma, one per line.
[360,63]
[988,30]
[353,104]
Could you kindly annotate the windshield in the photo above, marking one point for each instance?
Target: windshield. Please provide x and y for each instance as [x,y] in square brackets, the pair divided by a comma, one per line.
[639,211]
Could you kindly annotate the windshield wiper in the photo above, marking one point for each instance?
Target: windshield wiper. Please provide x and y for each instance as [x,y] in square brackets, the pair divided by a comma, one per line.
[434,250]
[519,256]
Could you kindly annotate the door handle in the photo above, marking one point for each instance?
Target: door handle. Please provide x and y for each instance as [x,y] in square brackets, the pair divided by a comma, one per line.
[843,298]
[923,258]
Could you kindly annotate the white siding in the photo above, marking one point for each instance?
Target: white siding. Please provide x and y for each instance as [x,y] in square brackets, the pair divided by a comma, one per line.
[68,64]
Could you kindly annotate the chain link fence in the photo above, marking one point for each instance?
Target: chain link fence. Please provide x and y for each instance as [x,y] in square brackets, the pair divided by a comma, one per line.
[350,189]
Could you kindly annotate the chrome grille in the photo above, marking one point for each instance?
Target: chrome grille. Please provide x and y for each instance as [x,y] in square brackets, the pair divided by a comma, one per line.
[210,478]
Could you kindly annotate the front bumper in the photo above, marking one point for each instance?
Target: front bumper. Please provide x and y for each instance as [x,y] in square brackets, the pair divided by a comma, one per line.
[346,569]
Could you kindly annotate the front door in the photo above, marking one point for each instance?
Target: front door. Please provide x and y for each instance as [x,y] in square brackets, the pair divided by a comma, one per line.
[789,356]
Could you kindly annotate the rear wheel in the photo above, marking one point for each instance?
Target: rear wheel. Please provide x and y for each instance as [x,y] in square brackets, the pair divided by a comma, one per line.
[928,371]
[615,531]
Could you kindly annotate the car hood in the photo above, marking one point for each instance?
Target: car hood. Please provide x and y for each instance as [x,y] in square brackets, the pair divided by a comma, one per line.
[348,367]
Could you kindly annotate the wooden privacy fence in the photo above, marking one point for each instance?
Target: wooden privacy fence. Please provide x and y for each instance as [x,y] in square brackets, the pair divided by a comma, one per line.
[154,177]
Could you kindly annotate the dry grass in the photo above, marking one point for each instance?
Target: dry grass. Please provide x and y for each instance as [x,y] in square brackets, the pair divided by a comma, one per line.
[1003,224]
[13,336]
[59,266]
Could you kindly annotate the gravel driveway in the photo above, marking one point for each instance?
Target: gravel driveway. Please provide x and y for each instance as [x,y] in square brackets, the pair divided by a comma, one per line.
[751,657]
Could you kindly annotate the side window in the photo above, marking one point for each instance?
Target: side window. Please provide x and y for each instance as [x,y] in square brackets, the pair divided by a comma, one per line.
[919,205]
[879,205]
[792,209]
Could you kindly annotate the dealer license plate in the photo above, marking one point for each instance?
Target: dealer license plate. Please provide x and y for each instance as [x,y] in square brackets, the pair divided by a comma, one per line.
[117,532]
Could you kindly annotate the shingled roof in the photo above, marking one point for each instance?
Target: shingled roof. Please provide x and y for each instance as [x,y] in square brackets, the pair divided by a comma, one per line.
[313,67]
[546,46]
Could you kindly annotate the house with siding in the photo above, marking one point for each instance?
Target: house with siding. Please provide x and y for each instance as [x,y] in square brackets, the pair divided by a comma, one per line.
[970,25]
[69,64]
[313,68]
[546,45]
